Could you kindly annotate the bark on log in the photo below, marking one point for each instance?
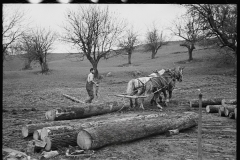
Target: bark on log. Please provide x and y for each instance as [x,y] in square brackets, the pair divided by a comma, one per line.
[28,129]
[235,113]
[123,131]
[61,140]
[37,134]
[215,101]
[231,115]
[221,111]
[228,109]
[229,101]
[212,108]
[83,111]
[54,130]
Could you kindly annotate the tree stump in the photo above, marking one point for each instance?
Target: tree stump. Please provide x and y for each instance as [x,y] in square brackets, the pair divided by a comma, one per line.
[221,111]
[123,131]
[235,113]
[231,115]
[228,109]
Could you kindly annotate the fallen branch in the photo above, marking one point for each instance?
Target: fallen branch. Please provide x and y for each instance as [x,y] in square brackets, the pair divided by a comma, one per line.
[73,98]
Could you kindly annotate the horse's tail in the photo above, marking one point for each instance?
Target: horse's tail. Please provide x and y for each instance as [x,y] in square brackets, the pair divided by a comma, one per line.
[130,87]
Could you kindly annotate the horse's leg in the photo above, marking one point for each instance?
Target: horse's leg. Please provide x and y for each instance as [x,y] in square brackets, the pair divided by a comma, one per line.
[160,98]
[165,96]
[136,102]
[156,95]
[131,103]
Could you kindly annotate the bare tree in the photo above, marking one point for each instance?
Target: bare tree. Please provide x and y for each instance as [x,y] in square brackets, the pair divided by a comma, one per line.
[220,20]
[128,43]
[12,29]
[37,45]
[154,41]
[188,29]
[94,32]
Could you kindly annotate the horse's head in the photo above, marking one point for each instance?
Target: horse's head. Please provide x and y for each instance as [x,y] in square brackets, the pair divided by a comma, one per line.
[179,73]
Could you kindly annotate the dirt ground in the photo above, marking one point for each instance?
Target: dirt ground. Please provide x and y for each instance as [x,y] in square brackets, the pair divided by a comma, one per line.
[28,95]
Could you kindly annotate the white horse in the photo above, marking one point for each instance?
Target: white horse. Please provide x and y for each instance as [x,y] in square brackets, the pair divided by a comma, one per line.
[136,87]
[157,73]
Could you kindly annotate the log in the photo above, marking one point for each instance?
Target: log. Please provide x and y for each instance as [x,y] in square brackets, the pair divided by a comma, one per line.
[229,101]
[61,140]
[37,134]
[215,101]
[231,115]
[127,96]
[172,132]
[228,109]
[53,130]
[83,111]
[212,108]
[28,129]
[123,131]
[221,111]
[73,98]
[13,152]
[235,113]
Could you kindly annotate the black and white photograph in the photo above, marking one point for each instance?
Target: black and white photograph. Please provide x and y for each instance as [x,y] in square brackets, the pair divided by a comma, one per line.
[119,81]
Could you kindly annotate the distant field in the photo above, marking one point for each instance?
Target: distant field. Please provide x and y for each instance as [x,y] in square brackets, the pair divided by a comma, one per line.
[30,89]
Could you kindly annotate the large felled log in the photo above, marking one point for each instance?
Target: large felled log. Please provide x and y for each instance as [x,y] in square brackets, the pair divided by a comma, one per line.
[123,131]
[228,109]
[28,129]
[229,101]
[61,140]
[212,108]
[83,111]
[215,101]
[53,130]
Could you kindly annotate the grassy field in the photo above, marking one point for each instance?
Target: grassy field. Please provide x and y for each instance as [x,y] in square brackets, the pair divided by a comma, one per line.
[27,89]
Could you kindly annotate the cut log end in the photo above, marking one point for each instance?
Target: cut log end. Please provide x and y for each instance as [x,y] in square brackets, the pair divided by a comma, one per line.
[37,134]
[49,143]
[25,131]
[50,115]
[84,140]
[44,133]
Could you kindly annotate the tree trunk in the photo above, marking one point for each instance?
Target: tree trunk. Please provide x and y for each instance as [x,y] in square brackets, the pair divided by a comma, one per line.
[129,58]
[190,58]
[53,130]
[215,101]
[212,108]
[83,111]
[94,65]
[153,54]
[124,131]
[61,140]
[28,130]
[228,109]
[45,67]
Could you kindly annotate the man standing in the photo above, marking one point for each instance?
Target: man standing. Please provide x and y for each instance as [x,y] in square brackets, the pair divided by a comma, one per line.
[89,85]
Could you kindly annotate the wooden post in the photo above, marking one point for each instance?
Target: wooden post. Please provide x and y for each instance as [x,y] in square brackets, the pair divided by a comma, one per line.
[200,128]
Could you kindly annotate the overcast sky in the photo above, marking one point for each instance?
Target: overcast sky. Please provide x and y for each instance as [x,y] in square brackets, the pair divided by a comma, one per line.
[141,16]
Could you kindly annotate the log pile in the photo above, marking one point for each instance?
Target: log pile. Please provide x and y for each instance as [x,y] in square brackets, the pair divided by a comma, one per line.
[228,108]
[91,135]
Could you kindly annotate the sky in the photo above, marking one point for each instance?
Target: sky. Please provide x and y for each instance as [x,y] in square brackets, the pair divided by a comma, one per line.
[140,16]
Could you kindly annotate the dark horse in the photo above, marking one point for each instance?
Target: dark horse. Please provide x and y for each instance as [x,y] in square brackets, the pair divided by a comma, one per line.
[162,84]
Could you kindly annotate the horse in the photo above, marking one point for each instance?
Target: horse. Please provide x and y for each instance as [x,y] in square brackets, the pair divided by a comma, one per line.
[163,83]
[136,87]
